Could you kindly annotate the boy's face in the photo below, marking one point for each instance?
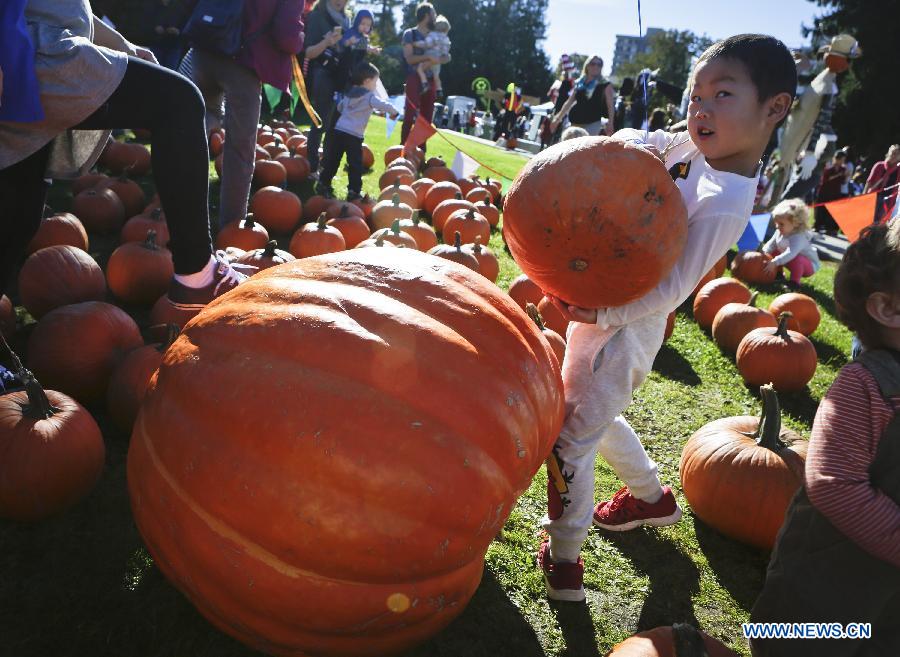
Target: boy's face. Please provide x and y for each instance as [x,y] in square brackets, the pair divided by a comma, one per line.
[365,25]
[726,120]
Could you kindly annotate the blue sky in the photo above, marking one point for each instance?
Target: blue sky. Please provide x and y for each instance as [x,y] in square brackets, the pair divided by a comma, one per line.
[591,26]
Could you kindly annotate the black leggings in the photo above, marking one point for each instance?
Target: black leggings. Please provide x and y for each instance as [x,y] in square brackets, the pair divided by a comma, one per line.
[150,97]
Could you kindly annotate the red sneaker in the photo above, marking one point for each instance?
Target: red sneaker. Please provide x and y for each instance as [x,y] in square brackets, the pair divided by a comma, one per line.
[565,581]
[624,511]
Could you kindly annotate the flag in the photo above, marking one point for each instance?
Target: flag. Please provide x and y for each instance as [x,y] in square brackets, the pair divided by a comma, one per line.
[463,165]
[273,96]
[420,133]
[853,214]
[754,233]
[511,90]
[390,124]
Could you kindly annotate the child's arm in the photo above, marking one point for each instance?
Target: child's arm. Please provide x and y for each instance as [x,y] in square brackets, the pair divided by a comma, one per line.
[383,105]
[797,243]
[769,246]
[837,465]
[658,139]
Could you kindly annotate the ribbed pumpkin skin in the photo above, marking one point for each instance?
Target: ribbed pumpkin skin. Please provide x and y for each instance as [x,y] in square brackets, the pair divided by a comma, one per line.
[788,362]
[738,487]
[715,294]
[74,349]
[439,192]
[135,229]
[279,210]
[805,311]
[594,221]
[139,272]
[470,225]
[59,229]
[353,228]
[48,464]
[57,276]
[303,528]
[659,642]
[735,320]
[444,209]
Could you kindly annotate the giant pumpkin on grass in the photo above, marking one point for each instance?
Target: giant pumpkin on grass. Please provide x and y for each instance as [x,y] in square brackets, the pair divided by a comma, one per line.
[302,525]
[53,451]
[139,272]
[785,358]
[57,276]
[594,221]
[75,348]
[740,473]
[679,640]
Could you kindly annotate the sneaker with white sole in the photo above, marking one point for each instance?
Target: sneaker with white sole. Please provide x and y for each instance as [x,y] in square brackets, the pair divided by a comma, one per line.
[564,580]
[226,277]
[625,511]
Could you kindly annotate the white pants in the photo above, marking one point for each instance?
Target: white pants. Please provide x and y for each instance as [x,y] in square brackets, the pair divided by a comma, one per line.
[600,372]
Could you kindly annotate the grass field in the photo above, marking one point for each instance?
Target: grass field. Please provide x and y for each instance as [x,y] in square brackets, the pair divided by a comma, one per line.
[82,583]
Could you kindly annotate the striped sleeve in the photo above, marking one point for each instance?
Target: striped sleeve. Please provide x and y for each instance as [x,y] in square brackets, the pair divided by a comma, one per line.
[849,423]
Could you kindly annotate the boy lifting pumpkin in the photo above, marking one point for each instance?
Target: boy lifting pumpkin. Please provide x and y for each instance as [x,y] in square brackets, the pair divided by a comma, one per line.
[837,557]
[741,90]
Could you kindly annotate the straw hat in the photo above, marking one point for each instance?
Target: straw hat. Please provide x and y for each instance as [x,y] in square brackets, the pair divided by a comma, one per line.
[843,45]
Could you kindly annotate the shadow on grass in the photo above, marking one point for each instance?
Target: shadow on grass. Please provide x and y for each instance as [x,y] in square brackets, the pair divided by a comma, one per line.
[802,405]
[740,569]
[578,629]
[674,577]
[676,367]
[828,353]
[825,300]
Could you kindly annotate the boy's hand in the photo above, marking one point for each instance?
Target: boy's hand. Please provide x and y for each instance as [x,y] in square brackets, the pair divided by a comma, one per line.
[573,313]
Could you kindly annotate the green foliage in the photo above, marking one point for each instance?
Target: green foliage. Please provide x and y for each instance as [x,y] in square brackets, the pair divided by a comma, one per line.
[866,115]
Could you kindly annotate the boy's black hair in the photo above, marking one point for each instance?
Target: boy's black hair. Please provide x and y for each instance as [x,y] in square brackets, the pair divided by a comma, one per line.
[422,10]
[362,72]
[768,61]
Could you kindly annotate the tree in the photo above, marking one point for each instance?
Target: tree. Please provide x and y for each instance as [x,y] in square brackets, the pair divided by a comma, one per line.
[671,52]
[866,115]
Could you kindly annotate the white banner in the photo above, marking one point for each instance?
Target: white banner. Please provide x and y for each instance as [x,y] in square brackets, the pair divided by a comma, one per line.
[463,165]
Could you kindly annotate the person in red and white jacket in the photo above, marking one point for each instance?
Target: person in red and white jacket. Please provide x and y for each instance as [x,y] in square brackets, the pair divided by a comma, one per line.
[837,557]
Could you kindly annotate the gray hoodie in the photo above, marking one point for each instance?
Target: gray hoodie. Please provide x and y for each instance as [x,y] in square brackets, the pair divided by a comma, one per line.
[356,107]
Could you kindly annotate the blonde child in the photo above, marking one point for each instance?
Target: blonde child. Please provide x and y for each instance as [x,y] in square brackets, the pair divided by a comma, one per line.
[741,90]
[837,557]
[436,44]
[792,242]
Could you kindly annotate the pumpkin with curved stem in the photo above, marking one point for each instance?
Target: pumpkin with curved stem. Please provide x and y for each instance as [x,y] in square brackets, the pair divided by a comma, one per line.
[445,208]
[62,228]
[376,242]
[469,224]
[140,272]
[100,210]
[53,451]
[805,316]
[75,348]
[57,276]
[385,212]
[7,317]
[557,343]
[438,192]
[596,222]
[316,239]
[748,266]
[401,333]
[396,236]
[735,320]
[279,210]
[715,294]
[786,358]
[246,234]
[488,265]
[740,473]
[135,229]
[421,231]
[523,291]
[552,317]
[455,253]
[489,211]
[406,194]
[352,227]
[679,640]
[269,256]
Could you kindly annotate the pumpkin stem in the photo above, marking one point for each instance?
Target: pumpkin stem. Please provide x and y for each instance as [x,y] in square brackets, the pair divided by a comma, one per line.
[458,196]
[395,199]
[457,241]
[782,331]
[320,223]
[150,242]
[752,301]
[688,642]
[476,245]
[470,215]
[415,218]
[269,251]
[395,227]
[172,332]
[535,315]
[768,433]
[379,241]
[344,211]
[249,222]
[38,407]
[156,214]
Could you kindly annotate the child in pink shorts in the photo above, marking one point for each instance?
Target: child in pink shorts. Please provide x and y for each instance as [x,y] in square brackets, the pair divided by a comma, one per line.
[792,242]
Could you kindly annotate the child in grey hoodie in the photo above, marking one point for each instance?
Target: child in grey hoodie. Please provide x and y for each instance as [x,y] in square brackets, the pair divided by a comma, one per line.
[355,107]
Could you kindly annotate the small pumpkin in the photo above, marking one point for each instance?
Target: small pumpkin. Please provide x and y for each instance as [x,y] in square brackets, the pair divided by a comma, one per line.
[316,239]
[57,276]
[786,358]
[268,256]
[121,157]
[489,211]
[438,192]
[715,294]
[392,154]
[406,193]
[396,236]
[421,231]
[805,315]
[87,181]
[735,320]
[445,208]
[455,253]
[353,227]
[296,166]
[479,194]
[396,174]
[62,228]
[524,291]
[135,229]
[376,242]
[279,210]
[552,317]
[368,157]
[269,173]
[100,210]
[557,343]
[469,224]
[679,640]
[128,191]
[488,265]
[748,266]
[440,174]
[140,272]
[246,234]
[740,473]
[421,187]
[385,212]
[53,451]
[715,271]
[337,206]
[314,206]
[670,326]
[365,203]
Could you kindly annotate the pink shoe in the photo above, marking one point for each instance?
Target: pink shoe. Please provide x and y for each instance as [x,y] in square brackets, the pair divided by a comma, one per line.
[565,581]
[625,511]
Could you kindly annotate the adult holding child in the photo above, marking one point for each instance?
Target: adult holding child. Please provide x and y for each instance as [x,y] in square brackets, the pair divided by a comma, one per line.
[883,179]
[592,100]
[419,102]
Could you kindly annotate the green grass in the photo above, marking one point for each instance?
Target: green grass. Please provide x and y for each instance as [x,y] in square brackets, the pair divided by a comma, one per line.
[82,583]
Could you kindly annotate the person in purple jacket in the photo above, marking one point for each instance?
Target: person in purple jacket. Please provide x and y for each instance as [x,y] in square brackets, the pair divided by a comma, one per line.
[273,33]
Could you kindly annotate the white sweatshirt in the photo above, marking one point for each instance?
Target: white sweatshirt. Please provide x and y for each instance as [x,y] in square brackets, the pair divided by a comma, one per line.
[718,205]
[791,246]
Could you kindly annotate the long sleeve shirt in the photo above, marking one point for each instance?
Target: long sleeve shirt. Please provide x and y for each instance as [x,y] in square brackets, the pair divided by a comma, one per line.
[848,426]
[718,206]
[356,107]
[789,247]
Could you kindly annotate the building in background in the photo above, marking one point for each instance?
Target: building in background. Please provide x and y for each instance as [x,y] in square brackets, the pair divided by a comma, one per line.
[628,47]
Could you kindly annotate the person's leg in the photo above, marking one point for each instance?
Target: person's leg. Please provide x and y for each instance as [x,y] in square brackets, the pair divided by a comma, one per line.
[800,267]
[334,151]
[242,105]
[23,192]
[354,164]
[411,108]
[205,74]
[420,71]
[164,102]
[323,102]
